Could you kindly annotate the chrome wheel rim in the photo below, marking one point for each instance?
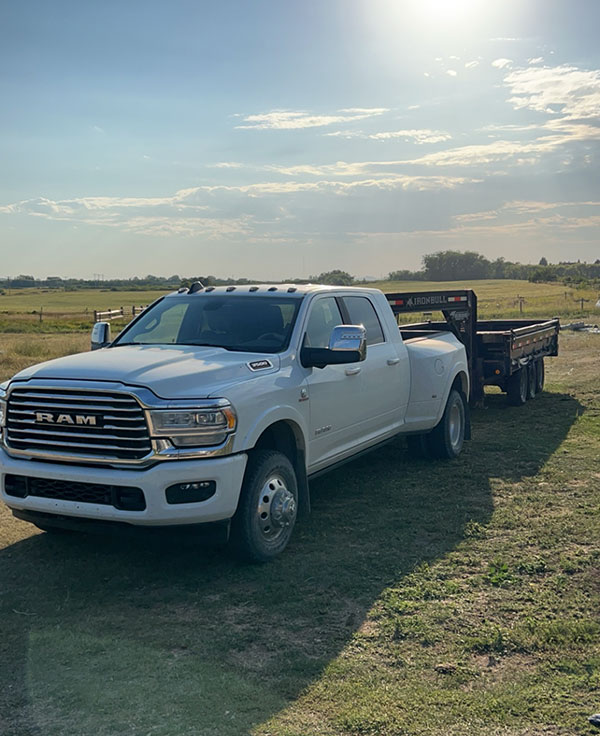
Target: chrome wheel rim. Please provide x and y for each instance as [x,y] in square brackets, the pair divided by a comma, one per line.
[455,425]
[276,510]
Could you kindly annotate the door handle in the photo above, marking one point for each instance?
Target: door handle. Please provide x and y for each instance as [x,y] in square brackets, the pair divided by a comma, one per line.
[393,361]
[352,371]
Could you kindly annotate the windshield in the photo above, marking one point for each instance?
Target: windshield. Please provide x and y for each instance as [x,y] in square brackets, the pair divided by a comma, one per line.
[245,323]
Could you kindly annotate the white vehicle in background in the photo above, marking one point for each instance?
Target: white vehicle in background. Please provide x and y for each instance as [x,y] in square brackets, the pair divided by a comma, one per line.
[216,406]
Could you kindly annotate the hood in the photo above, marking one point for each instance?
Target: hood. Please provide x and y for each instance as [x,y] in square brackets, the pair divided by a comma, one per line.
[182,372]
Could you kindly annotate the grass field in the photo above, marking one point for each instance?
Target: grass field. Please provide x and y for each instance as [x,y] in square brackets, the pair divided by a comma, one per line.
[459,598]
[19,309]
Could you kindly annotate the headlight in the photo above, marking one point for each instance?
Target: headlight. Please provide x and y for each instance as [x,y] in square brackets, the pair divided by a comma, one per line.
[193,427]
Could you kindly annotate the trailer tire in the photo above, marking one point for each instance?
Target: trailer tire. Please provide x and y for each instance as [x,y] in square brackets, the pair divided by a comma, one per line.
[266,514]
[540,375]
[532,380]
[446,440]
[517,387]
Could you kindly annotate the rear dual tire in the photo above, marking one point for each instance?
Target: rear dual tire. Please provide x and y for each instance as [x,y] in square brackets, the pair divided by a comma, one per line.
[446,440]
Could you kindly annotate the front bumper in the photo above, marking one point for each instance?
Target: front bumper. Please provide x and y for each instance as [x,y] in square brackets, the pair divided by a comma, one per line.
[227,472]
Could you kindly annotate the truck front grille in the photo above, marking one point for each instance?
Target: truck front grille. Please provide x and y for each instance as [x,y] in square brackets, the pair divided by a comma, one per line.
[50,421]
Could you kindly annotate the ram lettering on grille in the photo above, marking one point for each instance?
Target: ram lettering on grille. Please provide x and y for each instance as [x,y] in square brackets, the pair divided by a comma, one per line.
[41,417]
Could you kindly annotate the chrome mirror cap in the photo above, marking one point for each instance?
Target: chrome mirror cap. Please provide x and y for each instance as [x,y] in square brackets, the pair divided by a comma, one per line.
[349,337]
[100,335]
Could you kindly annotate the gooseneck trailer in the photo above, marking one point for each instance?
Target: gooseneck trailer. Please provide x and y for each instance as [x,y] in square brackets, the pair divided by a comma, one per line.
[505,353]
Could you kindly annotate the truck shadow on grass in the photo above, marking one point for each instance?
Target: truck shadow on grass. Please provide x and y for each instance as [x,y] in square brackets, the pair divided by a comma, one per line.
[112,637]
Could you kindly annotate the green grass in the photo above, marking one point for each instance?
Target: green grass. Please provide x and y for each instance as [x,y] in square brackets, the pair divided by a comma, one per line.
[65,311]
[55,300]
[498,297]
[418,598]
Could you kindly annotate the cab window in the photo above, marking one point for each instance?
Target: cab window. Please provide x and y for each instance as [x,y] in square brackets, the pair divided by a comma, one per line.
[361,312]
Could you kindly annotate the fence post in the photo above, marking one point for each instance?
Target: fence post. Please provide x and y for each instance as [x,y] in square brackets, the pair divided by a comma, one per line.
[41,314]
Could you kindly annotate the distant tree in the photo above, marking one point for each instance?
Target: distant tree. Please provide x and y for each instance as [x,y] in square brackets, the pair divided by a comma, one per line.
[543,261]
[452,265]
[406,275]
[335,278]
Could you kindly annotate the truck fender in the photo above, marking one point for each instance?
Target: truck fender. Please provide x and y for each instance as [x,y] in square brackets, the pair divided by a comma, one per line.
[296,424]
[459,380]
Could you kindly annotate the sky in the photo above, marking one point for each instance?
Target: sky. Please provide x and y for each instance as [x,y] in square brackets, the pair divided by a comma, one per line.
[277,139]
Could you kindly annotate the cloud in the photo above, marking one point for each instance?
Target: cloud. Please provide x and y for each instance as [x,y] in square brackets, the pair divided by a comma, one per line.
[551,212]
[487,153]
[502,63]
[225,210]
[451,72]
[567,90]
[471,64]
[98,129]
[418,136]
[537,60]
[227,165]
[296,119]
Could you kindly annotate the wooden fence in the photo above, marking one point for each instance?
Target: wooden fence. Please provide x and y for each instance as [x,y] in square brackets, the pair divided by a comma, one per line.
[120,313]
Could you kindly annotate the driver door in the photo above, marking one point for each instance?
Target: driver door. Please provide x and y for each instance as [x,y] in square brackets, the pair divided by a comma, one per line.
[336,407]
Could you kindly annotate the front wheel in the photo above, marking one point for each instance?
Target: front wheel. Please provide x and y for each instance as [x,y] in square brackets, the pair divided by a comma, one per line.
[264,521]
[446,440]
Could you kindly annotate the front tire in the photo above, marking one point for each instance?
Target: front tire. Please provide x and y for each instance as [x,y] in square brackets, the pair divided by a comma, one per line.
[446,440]
[265,518]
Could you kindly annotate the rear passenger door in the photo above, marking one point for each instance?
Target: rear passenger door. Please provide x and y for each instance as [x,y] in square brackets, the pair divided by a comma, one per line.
[383,381]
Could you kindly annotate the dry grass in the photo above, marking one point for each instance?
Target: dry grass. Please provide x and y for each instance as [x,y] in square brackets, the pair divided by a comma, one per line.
[19,351]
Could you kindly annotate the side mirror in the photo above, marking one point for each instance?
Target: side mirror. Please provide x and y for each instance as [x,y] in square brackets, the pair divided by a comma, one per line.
[347,344]
[351,338]
[100,335]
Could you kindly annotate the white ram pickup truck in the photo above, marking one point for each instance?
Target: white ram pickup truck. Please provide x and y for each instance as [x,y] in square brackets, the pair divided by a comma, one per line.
[216,406]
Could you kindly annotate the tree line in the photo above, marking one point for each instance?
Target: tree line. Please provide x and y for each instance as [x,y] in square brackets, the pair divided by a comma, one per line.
[453,265]
[446,265]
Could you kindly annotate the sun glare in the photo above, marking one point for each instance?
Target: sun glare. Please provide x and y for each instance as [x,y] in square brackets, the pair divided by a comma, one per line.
[437,14]
[448,11]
